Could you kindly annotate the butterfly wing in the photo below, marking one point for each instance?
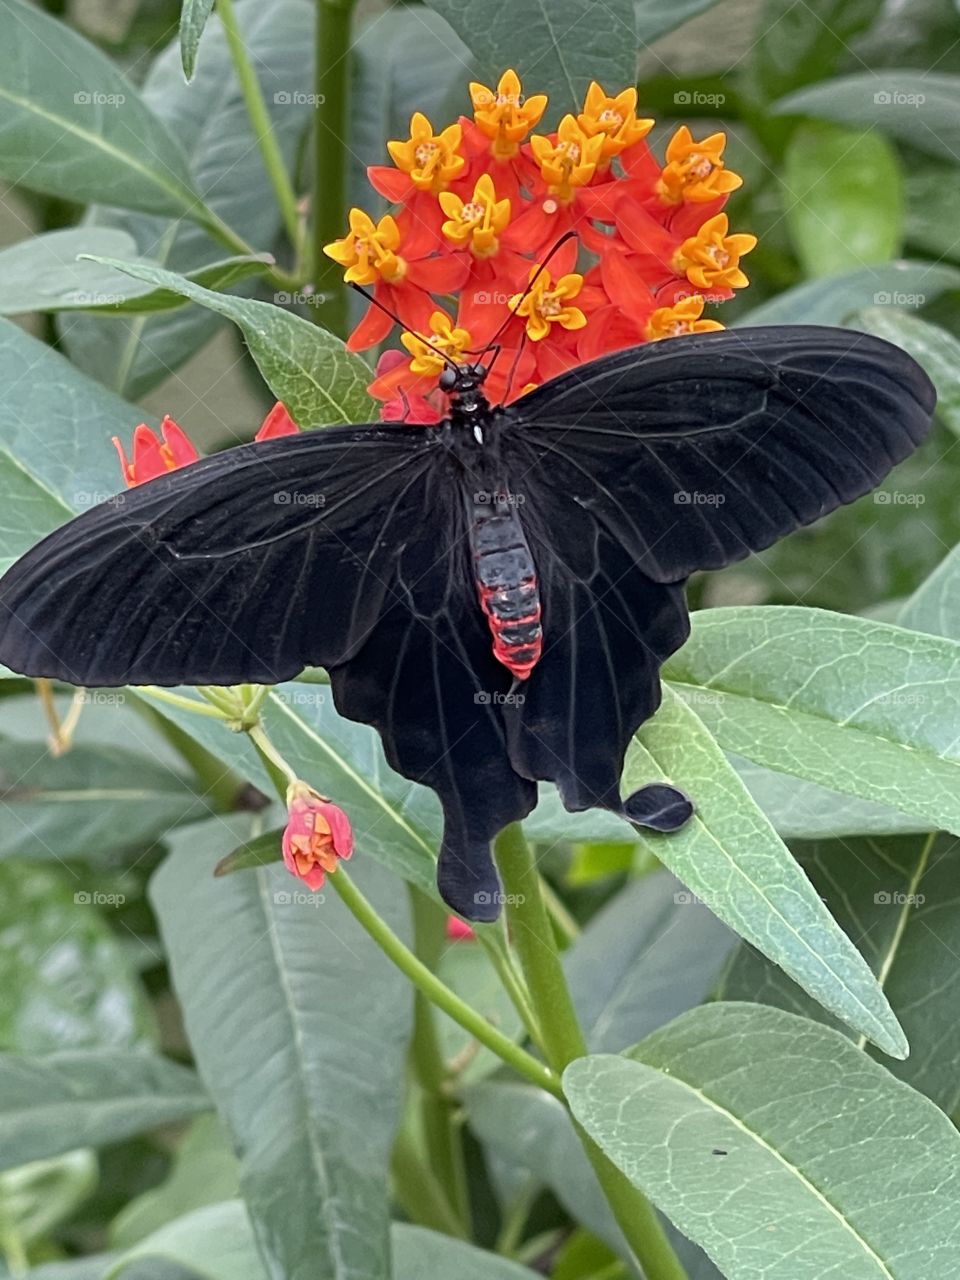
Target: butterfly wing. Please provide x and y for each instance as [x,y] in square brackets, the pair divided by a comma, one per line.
[639,468]
[696,451]
[246,566]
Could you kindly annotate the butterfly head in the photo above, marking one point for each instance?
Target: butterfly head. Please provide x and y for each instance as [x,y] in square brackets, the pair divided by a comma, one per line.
[463,383]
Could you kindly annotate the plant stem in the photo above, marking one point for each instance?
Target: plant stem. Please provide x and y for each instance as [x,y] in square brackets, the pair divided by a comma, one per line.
[261,123]
[272,756]
[330,125]
[498,949]
[437,1107]
[419,1192]
[438,992]
[563,1042]
[179,700]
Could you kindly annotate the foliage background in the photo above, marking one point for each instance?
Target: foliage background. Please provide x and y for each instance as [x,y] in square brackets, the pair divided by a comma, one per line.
[128,999]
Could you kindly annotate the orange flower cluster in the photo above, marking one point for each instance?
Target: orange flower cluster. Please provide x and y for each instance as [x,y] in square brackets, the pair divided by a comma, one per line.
[478,207]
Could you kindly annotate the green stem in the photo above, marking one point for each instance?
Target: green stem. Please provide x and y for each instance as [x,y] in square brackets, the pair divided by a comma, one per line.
[563,1041]
[331,124]
[440,1128]
[261,123]
[192,705]
[438,992]
[498,949]
[419,1192]
[272,757]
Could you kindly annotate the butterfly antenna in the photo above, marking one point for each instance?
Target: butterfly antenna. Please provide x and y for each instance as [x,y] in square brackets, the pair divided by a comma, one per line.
[513,367]
[358,288]
[567,235]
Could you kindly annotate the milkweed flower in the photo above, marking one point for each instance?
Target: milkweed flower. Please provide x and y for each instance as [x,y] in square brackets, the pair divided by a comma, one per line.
[478,208]
[317,835]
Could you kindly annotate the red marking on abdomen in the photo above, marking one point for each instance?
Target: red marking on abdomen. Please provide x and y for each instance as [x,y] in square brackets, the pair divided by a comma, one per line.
[517,642]
[506,582]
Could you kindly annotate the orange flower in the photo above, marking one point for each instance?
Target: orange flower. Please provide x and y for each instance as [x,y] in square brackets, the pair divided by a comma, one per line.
[711,258]
[153,457]
[316,836]
[612,119]
[475,224]
[505,117]
[547,304]
[369,250]
[694,170]
[683,317]
[567,160]
[431,160]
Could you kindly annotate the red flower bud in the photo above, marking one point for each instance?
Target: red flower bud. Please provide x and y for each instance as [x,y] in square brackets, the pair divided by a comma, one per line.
[317,834]
[277,423]
[153,457]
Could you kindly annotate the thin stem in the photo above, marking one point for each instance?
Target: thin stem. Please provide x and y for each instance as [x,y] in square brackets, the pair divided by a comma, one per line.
[419,1191]
[498,950]
[258,737]
[262,125]
[438,992]
[563,1042]
[331,118]
[185,704]
[562,918]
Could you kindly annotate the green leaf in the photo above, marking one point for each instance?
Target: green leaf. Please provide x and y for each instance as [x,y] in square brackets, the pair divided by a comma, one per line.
[90,803]
[898,898]
[39,1196]
[843,197]
[306,367]
[834,301]
[394,821]
[89,1268]
[87,1098]
[217,1243]
[65,981]
[651,953]
[918,107]
[43,274]
[800,43]
[29,510]
[729,855]
[561,51]
[258,852]
[193,18]
[935,606]
[468,970]
[830,1162]
[933,190]
[205,1171]
[934,348]
[210,119]
[269,973]
[73,127]
[863,707]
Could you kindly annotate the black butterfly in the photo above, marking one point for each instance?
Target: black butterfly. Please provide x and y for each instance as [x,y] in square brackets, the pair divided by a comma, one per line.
[496,593]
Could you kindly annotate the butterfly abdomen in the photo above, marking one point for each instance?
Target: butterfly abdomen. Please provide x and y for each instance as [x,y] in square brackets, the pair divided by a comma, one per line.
[506,580]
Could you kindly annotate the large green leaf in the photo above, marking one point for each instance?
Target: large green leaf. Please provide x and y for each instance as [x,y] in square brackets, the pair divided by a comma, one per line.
[89,803]
[933,190]
[779,1147]
[656,18]
[797,43]
[843,197]
[65,980]
[309,369]
[72,126]
[650,954]
[729,855]
[863,707]
[210,118]
[62,1101]
[271,975]
[922,108]
[28,509]
[897,898]
[934,348]
[903,284]
[193,18]
[563,47]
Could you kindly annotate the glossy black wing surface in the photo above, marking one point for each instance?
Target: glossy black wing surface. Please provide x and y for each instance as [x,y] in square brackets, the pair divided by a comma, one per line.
[695,451]
[639,468]
[246,566]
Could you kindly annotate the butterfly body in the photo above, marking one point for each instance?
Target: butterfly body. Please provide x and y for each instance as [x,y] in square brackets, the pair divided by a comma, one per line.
[496,593]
